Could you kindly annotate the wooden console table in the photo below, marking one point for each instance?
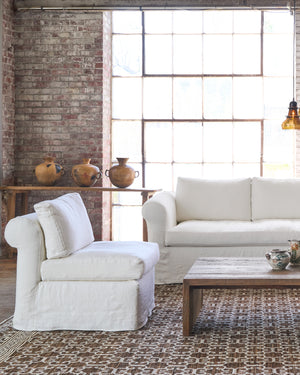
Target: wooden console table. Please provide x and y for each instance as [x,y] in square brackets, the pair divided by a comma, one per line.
[9,194]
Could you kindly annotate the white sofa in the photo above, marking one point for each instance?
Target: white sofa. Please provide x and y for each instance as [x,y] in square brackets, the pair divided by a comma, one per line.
[66,280]
[223,218]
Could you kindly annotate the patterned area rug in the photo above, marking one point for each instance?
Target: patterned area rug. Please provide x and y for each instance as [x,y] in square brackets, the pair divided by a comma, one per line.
[242,331]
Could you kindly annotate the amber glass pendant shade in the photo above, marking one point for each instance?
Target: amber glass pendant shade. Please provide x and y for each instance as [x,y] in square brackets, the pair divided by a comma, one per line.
[292,120]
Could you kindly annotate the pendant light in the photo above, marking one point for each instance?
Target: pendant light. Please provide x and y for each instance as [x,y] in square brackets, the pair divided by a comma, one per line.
[292,120]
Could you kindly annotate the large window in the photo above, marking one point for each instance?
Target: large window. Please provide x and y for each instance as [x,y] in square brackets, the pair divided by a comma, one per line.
[200,94]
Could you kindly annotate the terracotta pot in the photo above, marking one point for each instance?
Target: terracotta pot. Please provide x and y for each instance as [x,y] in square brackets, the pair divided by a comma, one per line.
[85,174]
[48,172]
[121,175]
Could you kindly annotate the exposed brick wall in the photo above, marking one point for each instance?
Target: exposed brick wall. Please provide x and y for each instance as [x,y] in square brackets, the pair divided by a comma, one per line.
[59,96]
[8,104]
[8,94]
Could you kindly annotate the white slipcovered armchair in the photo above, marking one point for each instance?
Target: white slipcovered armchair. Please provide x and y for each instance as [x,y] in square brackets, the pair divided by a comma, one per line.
[66,280]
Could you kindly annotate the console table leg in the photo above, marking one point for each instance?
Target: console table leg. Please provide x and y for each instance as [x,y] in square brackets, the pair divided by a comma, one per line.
[24,203]
[11,213]
[145,197]
[11,205]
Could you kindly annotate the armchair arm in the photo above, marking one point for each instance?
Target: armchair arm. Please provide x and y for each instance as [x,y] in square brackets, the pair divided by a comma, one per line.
[160,215]
[25,233]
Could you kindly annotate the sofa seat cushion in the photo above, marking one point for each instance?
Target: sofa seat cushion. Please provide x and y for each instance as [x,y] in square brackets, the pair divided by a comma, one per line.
[233,233]
[103,260]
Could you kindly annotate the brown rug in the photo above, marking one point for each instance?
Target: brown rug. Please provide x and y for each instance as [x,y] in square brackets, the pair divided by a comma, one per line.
[241,331]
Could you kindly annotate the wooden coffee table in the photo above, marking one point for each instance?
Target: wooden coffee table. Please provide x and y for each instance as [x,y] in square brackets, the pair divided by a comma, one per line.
[210,273]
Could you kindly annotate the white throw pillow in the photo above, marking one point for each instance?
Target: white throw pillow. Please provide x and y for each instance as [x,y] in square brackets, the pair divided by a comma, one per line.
[275,198]
[203,199]
[65,223]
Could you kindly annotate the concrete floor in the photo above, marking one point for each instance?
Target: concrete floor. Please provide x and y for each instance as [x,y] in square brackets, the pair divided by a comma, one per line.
[7,287]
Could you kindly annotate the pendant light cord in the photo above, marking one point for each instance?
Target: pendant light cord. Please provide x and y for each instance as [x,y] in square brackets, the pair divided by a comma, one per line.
[294,48]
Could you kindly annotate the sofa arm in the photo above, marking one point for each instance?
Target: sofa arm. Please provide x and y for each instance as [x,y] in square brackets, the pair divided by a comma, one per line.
[160,215]
[25,233]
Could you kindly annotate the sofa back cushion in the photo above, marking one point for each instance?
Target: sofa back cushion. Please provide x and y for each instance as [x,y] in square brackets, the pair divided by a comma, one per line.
[65,224]
[275,198]
[202,199]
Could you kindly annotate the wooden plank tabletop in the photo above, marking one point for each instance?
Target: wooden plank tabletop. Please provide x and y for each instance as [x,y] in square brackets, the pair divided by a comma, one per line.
[242,272]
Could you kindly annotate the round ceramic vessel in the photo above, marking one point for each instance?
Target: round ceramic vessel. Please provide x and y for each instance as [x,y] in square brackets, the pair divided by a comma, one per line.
[121,175]
[278,259]
[48,172]
[85,174]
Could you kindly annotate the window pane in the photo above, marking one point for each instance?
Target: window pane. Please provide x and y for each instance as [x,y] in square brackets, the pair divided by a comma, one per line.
[158,141]
[133,199]
[158,22]
[217,142]
[187,54]
[217,97]
[187,142]
[278,143]
[126,140]
[127,22]
[187,98]
[278,22]
[246,58]
[247,142]
[279,170]
[159,176]
[217,170]
[127,223]
[127,98]
[247,98]
[277,95]
[158,54]
[246,170]
[187,22]
[186,170]
[217,54]
[278,55]
[246,21]
[158,98]
[217,21]
[127,55]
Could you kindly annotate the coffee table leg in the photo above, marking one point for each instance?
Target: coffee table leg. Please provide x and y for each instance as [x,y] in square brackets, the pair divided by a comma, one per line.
[192,303]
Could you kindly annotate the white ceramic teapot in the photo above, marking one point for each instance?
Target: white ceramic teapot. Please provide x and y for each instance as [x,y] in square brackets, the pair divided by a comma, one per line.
[278,259]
